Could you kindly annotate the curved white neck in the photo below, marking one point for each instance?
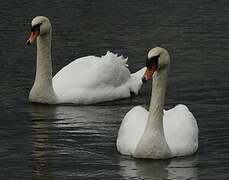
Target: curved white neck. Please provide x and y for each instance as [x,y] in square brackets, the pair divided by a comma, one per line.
[157,100]
[42,90]
[153,143]
[44,62]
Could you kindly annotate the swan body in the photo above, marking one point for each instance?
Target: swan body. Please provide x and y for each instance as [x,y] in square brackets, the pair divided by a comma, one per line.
[86,80]
[180,129]
[96,79]
[157,133]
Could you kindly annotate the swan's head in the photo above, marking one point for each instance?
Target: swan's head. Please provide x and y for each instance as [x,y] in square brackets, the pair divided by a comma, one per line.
[157,59]
[40,27]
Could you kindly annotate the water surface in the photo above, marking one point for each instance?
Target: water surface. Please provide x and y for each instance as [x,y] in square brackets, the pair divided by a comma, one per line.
[69,142]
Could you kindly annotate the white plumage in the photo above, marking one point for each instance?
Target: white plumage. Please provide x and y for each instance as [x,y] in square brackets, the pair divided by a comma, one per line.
[86,80]
[180,129]
[158,134]
[94,79]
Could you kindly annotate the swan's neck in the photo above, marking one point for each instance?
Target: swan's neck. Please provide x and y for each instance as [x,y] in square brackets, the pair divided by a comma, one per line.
[153,143]
[42,90]
[155,119]
[44,63]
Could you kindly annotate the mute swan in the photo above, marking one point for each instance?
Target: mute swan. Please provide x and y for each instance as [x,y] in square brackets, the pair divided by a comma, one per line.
[86,80]
[157,134]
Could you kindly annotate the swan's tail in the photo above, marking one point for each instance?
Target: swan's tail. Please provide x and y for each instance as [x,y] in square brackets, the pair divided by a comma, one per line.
[115,57]
[136,80]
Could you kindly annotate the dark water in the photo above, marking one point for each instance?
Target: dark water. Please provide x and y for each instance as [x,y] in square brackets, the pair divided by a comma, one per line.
[78,142]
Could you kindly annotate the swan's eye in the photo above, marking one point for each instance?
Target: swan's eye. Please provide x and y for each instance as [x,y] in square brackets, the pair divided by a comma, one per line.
[151,61]
[36,27]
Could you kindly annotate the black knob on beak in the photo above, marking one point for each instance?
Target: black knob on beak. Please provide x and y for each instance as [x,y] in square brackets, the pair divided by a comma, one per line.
[28,42]
[144,79]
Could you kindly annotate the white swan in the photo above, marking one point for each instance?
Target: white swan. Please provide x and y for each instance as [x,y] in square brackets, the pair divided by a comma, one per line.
[86,80]
[157,134]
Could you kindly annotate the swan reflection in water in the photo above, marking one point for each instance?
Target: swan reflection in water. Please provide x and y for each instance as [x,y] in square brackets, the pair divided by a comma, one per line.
[76,140]
[177,168]
[42,117]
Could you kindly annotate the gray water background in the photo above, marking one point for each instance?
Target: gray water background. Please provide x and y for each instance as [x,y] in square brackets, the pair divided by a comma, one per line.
[78,142]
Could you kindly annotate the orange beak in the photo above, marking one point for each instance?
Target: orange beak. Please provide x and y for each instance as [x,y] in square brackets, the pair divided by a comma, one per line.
[149,73]
[32,38]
